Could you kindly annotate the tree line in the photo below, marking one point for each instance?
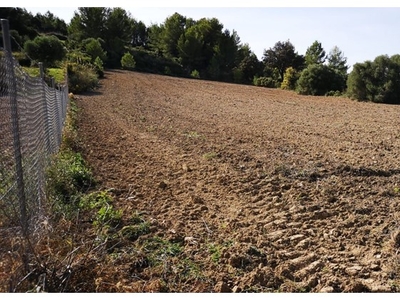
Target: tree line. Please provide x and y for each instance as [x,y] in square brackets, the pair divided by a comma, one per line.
[99,37]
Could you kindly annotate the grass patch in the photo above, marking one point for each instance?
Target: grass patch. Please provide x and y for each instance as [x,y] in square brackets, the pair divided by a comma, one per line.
[100,204]
[57,73]
[210,155]
[192,135]
[215,251]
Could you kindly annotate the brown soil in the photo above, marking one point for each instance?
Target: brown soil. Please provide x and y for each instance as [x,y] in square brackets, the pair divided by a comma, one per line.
[266,190]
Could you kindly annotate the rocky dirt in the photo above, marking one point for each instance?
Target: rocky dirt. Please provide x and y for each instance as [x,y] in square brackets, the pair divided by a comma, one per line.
[264,189]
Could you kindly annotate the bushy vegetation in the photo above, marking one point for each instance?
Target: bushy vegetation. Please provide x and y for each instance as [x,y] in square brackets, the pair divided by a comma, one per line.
[376,81]
[128,62]
[318,79]
[268,82]
[290,79]
[101,37]
[46,49]
[81,78]
[69,176]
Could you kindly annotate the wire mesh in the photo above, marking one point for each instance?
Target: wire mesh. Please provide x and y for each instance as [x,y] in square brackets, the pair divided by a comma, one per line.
[27,140]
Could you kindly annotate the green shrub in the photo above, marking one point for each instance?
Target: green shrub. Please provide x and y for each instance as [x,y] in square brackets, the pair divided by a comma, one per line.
[317,80]
[46,49]
[98,64]
[68,176]
[289,79]
[81,78]
[101,203]
[195,74]
[128,62]
[333,94]
[268,82]
[151,62]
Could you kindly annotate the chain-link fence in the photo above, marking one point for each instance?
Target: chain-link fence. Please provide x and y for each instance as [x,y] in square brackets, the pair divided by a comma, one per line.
[32,115]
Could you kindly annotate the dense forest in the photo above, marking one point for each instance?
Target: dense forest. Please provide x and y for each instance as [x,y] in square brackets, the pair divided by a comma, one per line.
[100,37]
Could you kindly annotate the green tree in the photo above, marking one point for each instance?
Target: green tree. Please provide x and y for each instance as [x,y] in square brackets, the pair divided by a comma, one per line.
[377,81]
[281,57]
[172,29]
[20,20]
[225,53]
[190,49]
[118,34]
[318,79]
[248,65]
[337,61]
[88,22]
[94,49]
[49,23]
[315,54]
[46,49]
[139,34]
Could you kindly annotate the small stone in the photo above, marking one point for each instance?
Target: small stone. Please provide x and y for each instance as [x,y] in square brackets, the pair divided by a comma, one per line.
[375,267]
[186,168]
[352,271]
[236,289]
[327,289]
[190,240]
[221,287]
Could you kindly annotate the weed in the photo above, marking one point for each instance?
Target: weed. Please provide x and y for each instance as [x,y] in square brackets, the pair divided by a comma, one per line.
[138,228]
[396,190]
[189,269]
[105,214]
[192,135]
[209,155]
[68,176]
[215,252]
[158,249]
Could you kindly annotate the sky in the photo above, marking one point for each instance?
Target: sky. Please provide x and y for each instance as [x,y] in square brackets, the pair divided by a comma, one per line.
[361,33]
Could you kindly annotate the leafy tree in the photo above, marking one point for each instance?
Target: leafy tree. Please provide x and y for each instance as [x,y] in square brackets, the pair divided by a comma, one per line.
[224,57]
[377,81]
[315,54]
[20,20]
[49,23]
[118,34]
[46,49]
[94,49]
[139,34]
[154,33]
[318,79]
[281,57]
[190,49]
[337,61]
[88,22]
[248,65]
[172,29]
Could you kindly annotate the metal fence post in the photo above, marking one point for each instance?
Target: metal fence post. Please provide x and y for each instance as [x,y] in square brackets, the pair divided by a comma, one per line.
[12,92]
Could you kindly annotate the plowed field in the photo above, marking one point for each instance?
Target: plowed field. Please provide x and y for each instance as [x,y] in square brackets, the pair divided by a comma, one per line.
[264,190]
